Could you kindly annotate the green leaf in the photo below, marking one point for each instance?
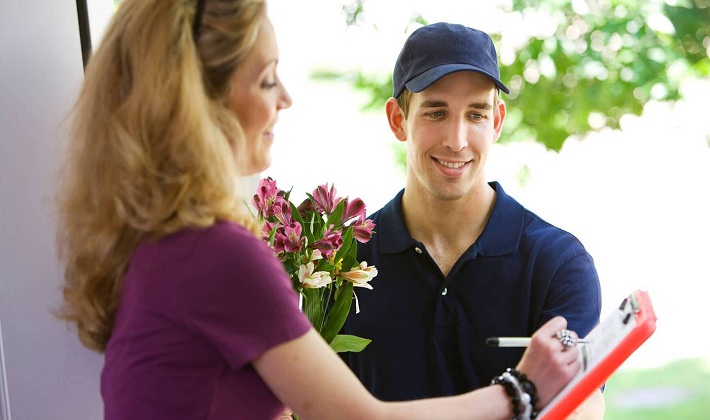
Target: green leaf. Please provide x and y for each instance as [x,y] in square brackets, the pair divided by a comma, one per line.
[272,235]
[348,242]
[343,342]
[324,265]
[296,215]
[335,319]
[313,307]
[336,215]
[348,251]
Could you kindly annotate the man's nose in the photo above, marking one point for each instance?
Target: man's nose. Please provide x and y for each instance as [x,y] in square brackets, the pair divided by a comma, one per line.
[457,139]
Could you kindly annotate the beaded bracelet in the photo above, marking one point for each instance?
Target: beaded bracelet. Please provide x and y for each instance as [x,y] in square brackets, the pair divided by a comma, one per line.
[521,399]
[511,390]
[528,387]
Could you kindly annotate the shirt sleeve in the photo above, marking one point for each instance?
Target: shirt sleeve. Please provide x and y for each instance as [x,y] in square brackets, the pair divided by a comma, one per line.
[575,292]
[240,298]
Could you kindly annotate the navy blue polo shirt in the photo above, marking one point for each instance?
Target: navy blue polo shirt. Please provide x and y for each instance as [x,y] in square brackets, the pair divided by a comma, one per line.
[428,331]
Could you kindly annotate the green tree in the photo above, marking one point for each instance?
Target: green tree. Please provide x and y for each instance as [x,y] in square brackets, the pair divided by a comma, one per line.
[606,58]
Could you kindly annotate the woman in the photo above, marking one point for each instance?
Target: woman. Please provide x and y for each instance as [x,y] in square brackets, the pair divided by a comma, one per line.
[164,270]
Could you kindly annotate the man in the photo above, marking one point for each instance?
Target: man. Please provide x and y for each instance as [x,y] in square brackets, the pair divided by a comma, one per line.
[458,259]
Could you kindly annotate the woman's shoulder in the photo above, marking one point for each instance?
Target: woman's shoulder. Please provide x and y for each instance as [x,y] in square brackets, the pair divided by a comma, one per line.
[225,248]
[227,231]
[230,238]
[223,240]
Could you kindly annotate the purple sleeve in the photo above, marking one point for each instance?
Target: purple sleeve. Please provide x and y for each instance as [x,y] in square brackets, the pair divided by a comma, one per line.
[239,298]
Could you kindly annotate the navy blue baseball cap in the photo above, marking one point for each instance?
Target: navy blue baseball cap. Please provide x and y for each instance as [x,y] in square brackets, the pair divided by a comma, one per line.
[433,51]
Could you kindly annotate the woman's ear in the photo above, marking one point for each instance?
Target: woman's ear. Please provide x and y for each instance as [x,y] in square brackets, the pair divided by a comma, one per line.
[395,118]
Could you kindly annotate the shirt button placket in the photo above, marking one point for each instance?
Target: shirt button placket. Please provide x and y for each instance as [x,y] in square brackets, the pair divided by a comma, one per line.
[419,251]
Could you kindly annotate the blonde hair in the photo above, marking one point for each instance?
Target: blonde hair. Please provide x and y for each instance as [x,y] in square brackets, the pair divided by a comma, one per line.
[154,147]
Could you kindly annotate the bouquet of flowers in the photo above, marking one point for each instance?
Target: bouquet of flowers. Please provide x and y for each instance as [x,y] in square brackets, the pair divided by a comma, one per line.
[317,243]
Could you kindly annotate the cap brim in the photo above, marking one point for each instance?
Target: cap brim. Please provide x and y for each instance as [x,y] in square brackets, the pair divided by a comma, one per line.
[430,76]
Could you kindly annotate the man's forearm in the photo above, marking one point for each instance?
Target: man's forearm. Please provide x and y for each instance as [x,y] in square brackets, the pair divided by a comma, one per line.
[591,409]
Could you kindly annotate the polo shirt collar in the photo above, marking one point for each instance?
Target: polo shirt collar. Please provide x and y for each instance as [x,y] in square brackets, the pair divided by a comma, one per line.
[501,235]
[392,232]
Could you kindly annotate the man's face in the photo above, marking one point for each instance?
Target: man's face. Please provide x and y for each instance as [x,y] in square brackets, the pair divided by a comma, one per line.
[449,130]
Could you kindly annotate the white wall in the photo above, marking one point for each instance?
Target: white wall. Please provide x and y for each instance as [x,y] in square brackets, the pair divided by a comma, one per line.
[49,375]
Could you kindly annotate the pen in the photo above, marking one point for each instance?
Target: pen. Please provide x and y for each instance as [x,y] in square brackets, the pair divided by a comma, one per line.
[516,341]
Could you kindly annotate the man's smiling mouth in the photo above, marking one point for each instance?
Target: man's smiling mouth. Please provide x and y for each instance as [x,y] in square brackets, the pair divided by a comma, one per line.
[452,165]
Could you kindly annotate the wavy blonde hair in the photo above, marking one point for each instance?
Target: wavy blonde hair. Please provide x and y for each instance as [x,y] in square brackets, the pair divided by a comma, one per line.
[154,147]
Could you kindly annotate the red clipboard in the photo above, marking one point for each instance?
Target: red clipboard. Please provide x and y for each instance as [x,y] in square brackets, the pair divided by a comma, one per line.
[609,344]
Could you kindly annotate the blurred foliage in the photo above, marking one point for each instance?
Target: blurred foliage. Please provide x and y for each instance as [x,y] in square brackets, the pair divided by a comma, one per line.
[606,58]
[677,390]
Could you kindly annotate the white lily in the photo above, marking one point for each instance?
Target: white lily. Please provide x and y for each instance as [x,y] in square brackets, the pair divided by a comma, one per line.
[360,276]
[312,279]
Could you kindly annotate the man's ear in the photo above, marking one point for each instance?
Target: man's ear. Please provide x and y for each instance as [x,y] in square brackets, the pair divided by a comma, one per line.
[498,119]
[395,118]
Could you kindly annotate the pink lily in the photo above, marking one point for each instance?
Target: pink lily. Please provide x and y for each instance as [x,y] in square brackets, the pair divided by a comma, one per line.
[282,211]
[355,208]
[362,230]
[330,243]
[325,200]
[267,196]
[288,238]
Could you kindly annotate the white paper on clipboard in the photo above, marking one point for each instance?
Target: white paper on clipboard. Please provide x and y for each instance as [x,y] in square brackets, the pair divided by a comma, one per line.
[609,344]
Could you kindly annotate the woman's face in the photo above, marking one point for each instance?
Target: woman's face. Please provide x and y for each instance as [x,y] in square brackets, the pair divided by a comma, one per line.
[257,97]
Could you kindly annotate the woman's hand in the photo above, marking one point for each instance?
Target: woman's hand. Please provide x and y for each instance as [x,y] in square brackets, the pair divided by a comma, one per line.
[548,363]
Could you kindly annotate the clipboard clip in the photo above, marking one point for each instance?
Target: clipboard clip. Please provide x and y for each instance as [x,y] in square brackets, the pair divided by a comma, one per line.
[634,304]
[635,307]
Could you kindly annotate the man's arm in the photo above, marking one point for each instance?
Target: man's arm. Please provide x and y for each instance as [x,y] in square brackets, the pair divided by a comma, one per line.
[591,409]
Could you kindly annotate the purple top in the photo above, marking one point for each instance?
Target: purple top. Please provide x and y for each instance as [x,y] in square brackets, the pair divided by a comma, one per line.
[197,307]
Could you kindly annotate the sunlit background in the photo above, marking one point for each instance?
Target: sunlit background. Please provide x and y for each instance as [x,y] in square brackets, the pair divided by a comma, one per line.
[637,196]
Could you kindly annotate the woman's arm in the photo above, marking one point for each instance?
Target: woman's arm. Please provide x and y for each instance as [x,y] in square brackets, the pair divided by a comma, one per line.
[306,375]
